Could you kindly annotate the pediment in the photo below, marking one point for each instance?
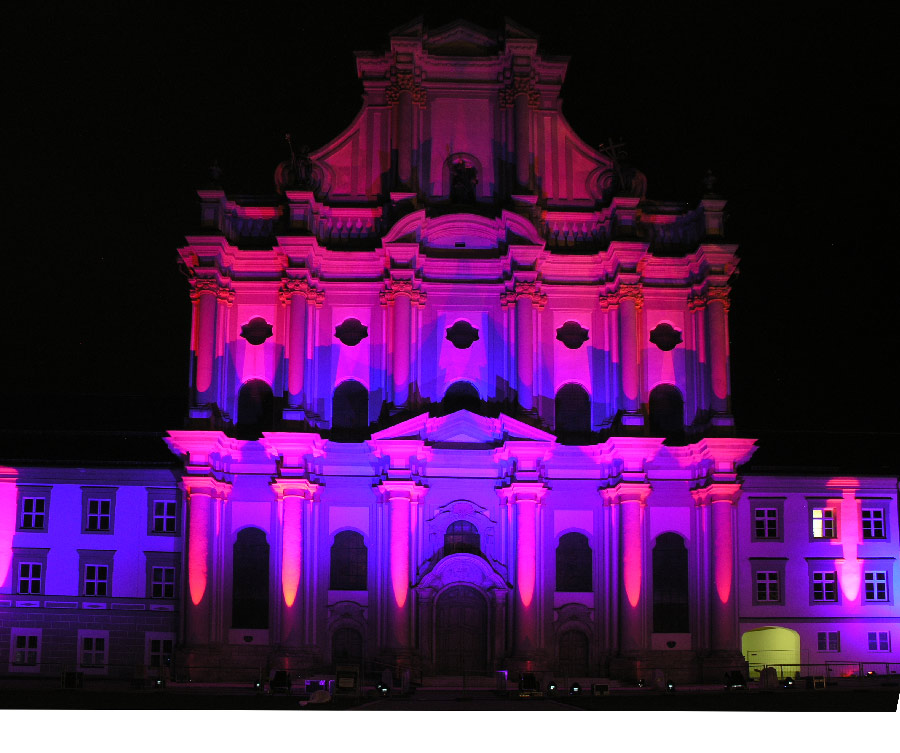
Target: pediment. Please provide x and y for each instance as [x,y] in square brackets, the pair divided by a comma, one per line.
[460,38]
[464,428]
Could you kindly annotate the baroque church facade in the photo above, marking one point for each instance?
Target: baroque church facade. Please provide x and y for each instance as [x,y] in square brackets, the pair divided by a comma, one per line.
[460,403]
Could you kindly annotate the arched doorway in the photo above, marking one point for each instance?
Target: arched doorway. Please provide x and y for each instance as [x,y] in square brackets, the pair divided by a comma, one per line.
[346,646]
[574,656]
[250,580]
[772,647]
[666,407]
[572,413]
[350,410]
[461,631]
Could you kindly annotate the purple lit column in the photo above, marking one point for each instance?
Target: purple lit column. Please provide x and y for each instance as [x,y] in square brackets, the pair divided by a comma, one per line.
[717,314]
[524,350]
[202,495]
[721,498]
[522,115]
[399,496]
[631,499]
[401,348]
[404,112]
[295,292]
[630,302]
[205,296]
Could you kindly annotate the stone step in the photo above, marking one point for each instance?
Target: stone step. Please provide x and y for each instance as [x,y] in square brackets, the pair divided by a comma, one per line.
[458,681]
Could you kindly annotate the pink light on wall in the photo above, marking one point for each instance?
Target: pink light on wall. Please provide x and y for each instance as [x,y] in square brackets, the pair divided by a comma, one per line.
[7,519]
[849,568]
[198,546]
[723,548]
[632,554]
[291,550]
[400,549]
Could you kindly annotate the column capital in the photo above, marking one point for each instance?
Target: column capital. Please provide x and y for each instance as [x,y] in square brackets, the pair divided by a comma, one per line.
[713,493]
[396,288]
[206,486]
[721,293]
[406,81]
[631,292]
[626,493]
[401,488]
[518,86]
[523,290]
[294,287]
[523,491]
[221,289]
[299,487]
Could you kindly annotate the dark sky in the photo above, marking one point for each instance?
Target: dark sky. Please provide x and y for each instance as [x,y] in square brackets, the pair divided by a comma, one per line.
[117,110]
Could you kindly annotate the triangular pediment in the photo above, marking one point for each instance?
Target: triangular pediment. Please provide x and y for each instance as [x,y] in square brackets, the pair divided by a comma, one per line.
[460,38]
[464,428]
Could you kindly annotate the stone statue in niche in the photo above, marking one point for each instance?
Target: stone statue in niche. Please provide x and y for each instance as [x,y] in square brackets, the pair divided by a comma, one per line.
[463,179]
[572,335]
[256,331]
[621,179]
[462,334]
[351,332]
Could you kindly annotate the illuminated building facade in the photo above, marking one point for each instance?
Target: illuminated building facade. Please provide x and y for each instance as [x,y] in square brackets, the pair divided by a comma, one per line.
[460,402]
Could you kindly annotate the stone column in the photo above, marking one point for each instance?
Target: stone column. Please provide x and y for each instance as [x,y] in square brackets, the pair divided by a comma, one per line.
[721,499]
[399,496]
[717,315]
[697,307]
[523,97]
[630,303]
[291,497]
[296,293]
[204,295]
[202,496]
[404,137]
[526,612]
[400,296]
[525,297]
[631,499]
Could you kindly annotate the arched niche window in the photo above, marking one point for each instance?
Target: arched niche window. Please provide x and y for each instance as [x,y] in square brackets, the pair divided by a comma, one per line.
[670,585]
[250,583]
[255,409]
[461,173]
[667,413]
[350,408]
[349,562]
[573,413]
[462,537]
[573,563]
[461,396]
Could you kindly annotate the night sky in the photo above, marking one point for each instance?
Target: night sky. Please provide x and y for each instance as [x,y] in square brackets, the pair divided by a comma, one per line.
[116,112]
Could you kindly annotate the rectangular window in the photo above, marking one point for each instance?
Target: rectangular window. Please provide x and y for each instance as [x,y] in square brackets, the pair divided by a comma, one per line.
[825,587]
[823,523]
[876,586]
[93,651]
[96,580]
[767,586]
[98,517]
[162,582]
[765,523]
[873,523]
[160,653]
[880,641]
[829,641]
[25,650]
[34,516]
[31,577]
[165,516]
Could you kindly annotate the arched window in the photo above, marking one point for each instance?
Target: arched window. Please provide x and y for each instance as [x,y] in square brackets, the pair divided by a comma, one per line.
[462,538]
[573,563]
[670,585]
[573,413]
[350,409]
[667,413]
[250,582]
[255,409]
[349,562]
[461,396]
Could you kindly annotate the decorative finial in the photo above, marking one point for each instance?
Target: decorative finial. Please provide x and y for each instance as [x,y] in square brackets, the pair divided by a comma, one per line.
[709,185]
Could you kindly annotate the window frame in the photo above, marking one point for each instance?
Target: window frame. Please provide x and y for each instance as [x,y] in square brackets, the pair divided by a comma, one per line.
[833,580]
[155,496]
[93,635]
[29,556]
[100,494]
[162,560]
[584,551]
[767,503]
[27,632]
[827,634]
[775,565]
[33,493]
[335,576]
[875,636]
[868,506]
[833,510]
[149,638]
[88,558]
[885,580]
